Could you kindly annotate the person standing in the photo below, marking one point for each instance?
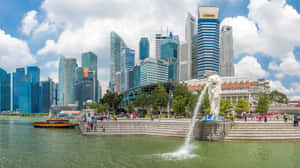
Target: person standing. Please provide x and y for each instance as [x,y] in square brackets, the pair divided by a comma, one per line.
[266,118]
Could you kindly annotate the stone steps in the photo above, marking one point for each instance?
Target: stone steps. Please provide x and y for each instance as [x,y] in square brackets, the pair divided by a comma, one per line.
[163,128]
[263,131]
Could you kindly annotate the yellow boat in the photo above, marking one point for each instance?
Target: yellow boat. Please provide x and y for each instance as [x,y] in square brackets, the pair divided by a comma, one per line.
[54,124]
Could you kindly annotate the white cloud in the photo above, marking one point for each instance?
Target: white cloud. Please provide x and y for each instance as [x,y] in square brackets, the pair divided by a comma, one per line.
[44,28]
[289,66]
[14,52]
[277,85]
[52,64]
[29,22]
[54,76]
[271,28]
[250,67]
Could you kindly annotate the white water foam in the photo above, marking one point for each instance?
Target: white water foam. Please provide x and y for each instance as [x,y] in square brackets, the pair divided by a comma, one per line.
[185,151]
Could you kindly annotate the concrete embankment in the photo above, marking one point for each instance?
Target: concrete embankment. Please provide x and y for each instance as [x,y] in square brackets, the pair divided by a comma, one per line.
[205,131]
[172,128]
[260,131]
[163,127]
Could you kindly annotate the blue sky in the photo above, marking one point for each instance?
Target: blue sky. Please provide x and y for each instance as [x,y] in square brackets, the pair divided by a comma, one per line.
[37,32]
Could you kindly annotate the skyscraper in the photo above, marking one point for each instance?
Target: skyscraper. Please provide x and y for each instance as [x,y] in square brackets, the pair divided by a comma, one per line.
[89,60]
[137,76]
[4,91]
[208,54]
[194,56]
[158,39]
[226,54]
[33,73]
[22,90]
[144,48]
[18,76]
[84,90]
[169,53]
[184,68]
[47,95]
[153,71]
[116,43]
[185,57]
[127,62]
[67,69]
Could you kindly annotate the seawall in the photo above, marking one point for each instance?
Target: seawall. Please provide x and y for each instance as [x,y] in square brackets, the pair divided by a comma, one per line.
[163,127]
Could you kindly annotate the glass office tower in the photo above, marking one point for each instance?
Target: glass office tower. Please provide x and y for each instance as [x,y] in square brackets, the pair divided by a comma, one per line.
[169,53]
[127,62]
[4,91]
[226,53]
[208,54]
[67,70]
[33,74]
[90,60]
[144,48]
[116,43]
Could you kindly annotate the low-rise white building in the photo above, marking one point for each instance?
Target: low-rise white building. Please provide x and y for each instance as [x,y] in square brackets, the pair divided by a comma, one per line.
[235,88]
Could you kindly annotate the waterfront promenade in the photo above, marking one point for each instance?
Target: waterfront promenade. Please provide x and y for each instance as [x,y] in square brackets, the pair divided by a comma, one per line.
[239,130]
[156,127]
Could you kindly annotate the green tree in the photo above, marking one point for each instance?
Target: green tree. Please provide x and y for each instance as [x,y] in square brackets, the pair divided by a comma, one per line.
[179,105]
[262,103]
[142,100]
[182,97]
[225,106]
[98,107]
[112,100]
[192,101]
[130,108]
[278,97]
[241,106]
[205,107]
[159,97]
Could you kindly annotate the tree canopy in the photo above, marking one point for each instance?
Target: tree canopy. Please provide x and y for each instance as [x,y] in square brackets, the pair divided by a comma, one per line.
[241,106]
[225,106]
[278,97]
[262,104]
[159,97]
[112,100]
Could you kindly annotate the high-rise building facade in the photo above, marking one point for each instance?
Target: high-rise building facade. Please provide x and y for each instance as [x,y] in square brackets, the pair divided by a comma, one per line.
[67,71]
[184,68]
[208,54]
[89,60]
[169,53]
[127,62]
[48,93]
[194,56]
[5,88]
[226,53]
[185,57]
[85,90]
[137,76]
[116,43]
[118,82]
[18,77]
[144,49]
[153,71]
[158,39]
[33,73]
[26,89]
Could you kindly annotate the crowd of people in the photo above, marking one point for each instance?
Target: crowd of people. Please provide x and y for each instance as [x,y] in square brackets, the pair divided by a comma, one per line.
[271,117]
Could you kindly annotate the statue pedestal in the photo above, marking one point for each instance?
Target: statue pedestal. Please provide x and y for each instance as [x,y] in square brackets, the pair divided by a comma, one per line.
[211,130]
[212,118]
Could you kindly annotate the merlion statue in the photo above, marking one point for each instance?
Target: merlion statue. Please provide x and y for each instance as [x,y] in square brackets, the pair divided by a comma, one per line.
[214,92]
